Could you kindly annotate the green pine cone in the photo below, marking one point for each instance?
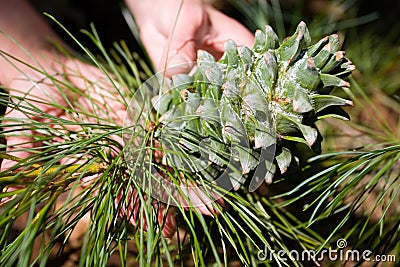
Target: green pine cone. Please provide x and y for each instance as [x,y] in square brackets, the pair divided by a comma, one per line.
[234,117]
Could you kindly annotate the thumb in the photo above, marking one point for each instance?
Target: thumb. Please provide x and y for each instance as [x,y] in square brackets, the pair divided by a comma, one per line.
[180,58]
[172,54]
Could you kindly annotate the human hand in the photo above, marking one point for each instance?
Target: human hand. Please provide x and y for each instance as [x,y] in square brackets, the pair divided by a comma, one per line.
[44,87]
[93,99]
[173,30]
[96,102]
[41,79]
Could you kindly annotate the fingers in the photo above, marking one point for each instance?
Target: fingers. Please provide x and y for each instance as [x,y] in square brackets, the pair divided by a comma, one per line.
[40,98]
[33,98]
[170,34]
[175,55]
[19,144]
[132,210]
[200,198]
[29,94]
[180,59]
[223,29]
[101,99]
[190,24]
[172,42]
[19,141]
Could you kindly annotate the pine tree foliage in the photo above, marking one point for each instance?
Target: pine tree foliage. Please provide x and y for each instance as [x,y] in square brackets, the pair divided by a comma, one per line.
[215,122]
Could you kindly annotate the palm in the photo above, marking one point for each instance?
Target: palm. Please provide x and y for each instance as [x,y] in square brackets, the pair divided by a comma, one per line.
[173,40]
